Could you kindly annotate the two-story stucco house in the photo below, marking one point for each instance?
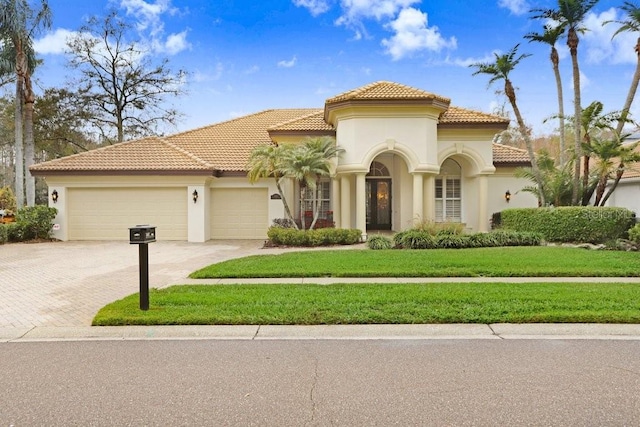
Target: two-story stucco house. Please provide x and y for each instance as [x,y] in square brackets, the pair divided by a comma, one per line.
[408,155]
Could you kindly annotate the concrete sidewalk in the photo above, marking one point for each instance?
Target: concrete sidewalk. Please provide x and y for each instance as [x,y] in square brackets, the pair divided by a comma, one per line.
[326,332]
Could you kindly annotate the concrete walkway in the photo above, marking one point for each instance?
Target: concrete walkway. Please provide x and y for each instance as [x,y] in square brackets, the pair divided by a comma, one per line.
[53,290]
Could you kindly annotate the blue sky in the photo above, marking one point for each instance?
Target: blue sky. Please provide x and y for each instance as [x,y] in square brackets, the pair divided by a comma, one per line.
[245,56]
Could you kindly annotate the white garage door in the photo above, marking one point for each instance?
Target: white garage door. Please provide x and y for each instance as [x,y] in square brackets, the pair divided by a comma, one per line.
[239,213]
[107,213]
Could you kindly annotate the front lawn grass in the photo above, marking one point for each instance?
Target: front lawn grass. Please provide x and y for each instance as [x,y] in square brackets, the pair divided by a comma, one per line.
[488,262]
[380,304]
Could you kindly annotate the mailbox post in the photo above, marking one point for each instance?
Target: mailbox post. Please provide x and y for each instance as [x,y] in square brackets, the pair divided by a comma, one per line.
[142,235]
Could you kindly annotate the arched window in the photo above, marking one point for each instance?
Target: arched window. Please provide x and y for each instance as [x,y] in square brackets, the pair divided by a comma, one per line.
[378,169]
[449,192]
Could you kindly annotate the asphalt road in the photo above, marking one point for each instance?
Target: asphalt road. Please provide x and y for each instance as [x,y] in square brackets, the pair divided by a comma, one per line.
[320,383]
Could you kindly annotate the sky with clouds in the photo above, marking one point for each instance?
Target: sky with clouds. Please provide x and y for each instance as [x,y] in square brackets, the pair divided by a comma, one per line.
[245,56]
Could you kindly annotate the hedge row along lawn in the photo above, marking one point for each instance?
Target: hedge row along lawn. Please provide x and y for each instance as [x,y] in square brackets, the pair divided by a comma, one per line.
[541,261]
[380,304]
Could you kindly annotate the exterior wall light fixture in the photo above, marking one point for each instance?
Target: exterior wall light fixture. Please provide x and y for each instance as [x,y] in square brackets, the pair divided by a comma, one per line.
[195,195]
[54,196]
[507,196]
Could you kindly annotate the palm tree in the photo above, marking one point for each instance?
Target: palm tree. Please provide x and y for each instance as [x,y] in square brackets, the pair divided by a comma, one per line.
[266,161]
[18,24]
[631,24]
[307,163]
[609,151]
[569,16]
[557,180]
[499,70]
[550,36]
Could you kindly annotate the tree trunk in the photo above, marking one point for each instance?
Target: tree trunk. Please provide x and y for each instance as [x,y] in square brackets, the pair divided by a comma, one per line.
[29,150]
[285,204]
[19,145]
[511,95]
[619,174]
[572,42]
[556,71]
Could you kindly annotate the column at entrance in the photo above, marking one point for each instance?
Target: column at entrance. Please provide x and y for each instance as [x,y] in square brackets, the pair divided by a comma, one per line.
[418,197]
[430,197]
[335,201]
[483,196]
[361,204]
[345,201]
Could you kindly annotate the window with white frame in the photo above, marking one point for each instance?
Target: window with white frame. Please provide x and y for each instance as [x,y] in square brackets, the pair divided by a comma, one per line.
[309,202]
[448,201]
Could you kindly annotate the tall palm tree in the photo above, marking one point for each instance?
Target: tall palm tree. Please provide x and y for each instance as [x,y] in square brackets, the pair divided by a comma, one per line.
[499,70]
[631,24]
[569,15]
[265,161]
[19,22]
[306,164]
[550,36]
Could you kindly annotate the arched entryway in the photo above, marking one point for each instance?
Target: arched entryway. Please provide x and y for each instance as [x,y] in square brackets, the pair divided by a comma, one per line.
[378,197]
[448,192]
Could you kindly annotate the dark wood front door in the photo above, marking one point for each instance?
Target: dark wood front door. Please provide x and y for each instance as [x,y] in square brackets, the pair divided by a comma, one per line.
[378,204]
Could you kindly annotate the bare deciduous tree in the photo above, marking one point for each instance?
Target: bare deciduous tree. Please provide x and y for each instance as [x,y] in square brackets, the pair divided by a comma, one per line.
[120,84]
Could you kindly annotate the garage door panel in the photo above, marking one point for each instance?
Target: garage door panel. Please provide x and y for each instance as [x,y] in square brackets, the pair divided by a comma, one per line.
[107,213]
[239,213]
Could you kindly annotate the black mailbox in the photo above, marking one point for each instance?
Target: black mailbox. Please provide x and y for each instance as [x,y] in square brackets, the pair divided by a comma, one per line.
[142,234]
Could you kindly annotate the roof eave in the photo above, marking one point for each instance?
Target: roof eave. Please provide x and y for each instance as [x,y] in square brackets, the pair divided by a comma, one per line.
[434,102]
[121,172]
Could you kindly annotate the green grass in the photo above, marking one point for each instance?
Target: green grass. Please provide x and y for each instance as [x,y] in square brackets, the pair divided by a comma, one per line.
[380,304]
[488,262]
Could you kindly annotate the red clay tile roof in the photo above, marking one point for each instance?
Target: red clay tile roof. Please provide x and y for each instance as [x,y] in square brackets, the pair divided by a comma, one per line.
[139,155]
[456,115]
[504,154]
[386,90]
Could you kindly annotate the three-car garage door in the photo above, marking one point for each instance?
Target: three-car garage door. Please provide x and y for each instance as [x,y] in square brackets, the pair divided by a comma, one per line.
[107,213]
[239,213]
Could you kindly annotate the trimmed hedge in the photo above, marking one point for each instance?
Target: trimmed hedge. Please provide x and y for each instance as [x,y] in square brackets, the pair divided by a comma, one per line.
[4,234]
[317,237]
[634,234]
[579,224]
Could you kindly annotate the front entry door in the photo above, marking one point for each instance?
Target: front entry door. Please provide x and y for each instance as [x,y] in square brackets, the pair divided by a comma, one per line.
[378,204]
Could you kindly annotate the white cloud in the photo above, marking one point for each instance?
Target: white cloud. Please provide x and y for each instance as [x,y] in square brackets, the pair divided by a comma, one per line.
[150,24]
[412,34]
[517,7]
[288,64]
[466,62]
[315,7]
[598,42]
[355,11]
[53,43]
[176,43]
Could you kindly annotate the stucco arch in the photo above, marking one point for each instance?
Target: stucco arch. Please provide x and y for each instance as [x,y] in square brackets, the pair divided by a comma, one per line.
[479,165]
[393,147]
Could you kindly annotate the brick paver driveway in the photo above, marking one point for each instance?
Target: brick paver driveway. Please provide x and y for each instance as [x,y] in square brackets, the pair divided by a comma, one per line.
[66,283]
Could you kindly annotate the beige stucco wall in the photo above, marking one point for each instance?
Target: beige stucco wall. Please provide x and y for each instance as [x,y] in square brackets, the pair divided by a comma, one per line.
[627,195]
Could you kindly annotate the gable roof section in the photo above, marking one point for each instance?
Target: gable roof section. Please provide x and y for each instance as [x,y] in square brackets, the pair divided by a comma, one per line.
[138,156]
[507,155]
[455,117]
[310,124]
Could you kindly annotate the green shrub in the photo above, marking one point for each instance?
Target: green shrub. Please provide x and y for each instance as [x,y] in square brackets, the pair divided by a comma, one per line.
[320,237]
[451,241]
[417,239]
[570,224]
[4,234]
[377,242]
[634,234]
[16,232]
[435,228]
[397,239]
[37,221]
